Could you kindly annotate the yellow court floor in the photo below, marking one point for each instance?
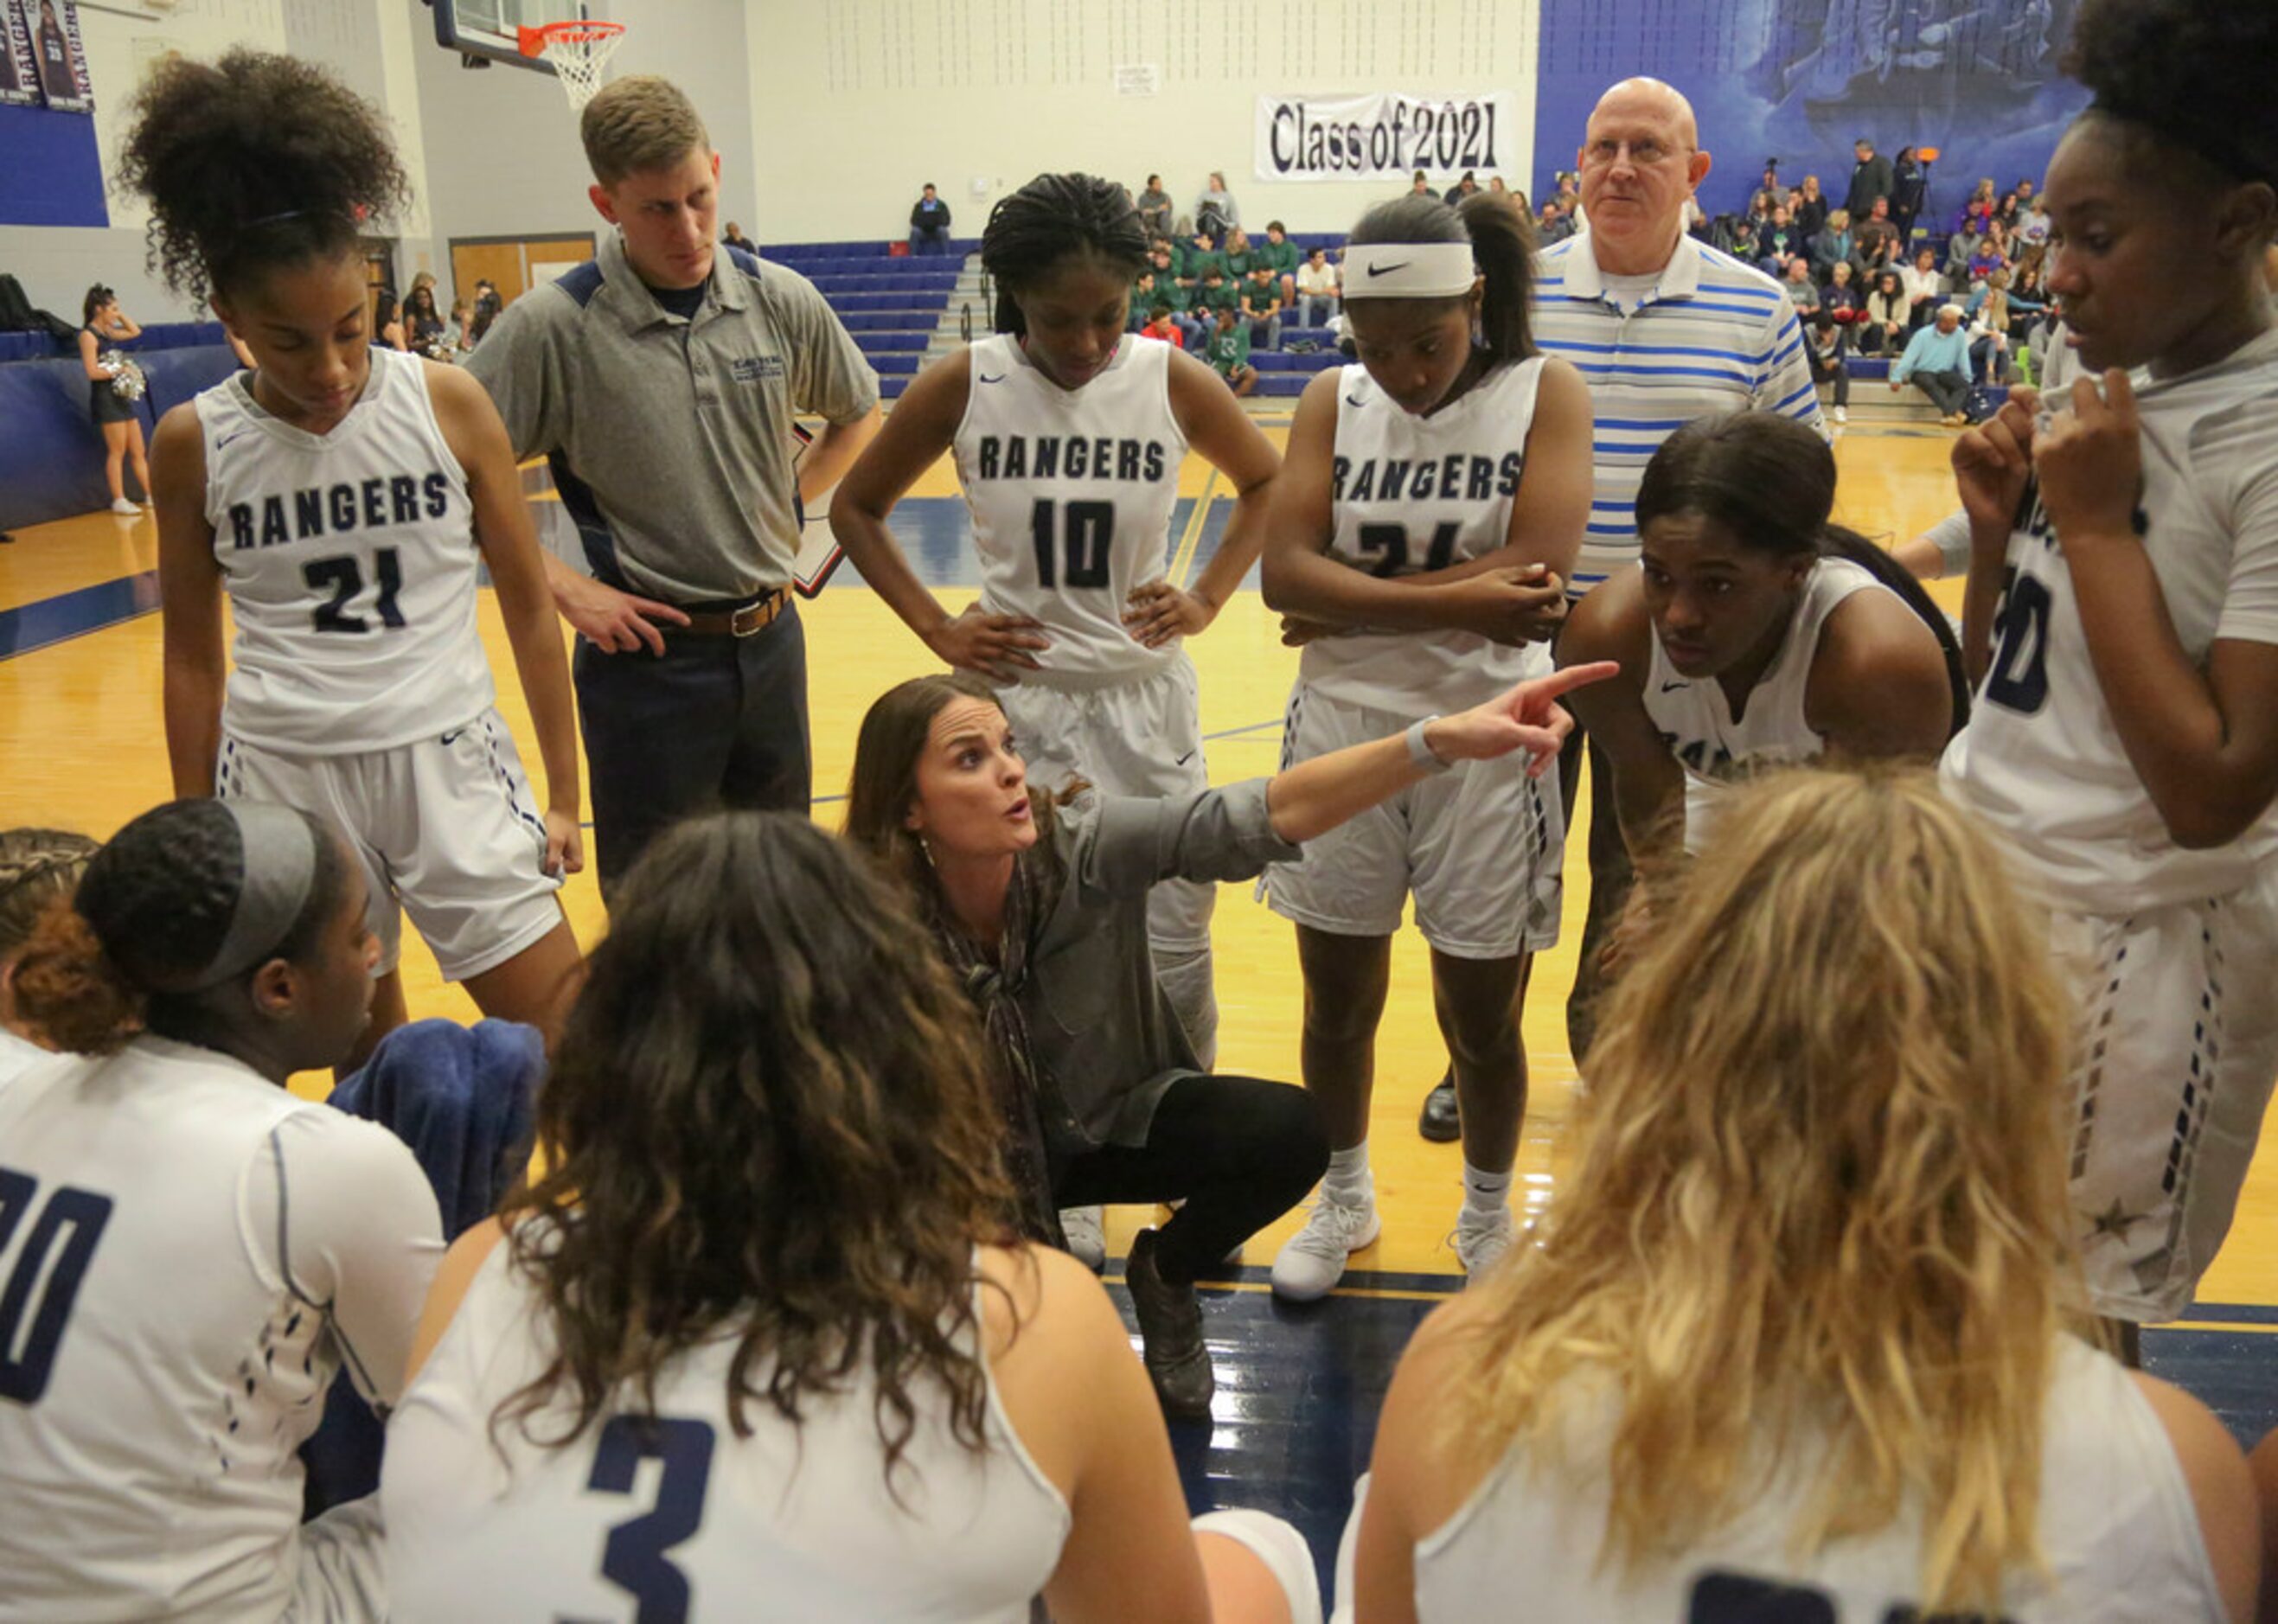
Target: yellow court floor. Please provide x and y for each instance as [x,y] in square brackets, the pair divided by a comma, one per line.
[81,746]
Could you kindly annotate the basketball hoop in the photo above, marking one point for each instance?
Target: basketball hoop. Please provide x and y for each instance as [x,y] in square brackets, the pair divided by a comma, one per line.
[577,51]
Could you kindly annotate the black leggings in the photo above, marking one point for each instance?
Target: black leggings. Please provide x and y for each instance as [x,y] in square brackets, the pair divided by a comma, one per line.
[1240,1152]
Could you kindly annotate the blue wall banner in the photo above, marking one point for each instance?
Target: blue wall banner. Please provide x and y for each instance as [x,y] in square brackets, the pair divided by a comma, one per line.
[1800,81]
[1383,137]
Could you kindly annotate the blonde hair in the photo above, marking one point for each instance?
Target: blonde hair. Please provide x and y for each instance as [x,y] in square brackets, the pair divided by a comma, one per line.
[637,123]
[1818,1192]
[1839,219]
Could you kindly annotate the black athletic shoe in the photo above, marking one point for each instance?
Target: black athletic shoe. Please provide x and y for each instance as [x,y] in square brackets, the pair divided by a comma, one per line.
[1171,1333]
[1442,1119]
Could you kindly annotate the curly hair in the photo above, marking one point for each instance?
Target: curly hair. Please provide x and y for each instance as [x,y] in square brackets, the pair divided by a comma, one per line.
[1819,1190]
[2194,74]
[768,1122]
[150,914]
[1502,243]
[253,161]
[1053,218]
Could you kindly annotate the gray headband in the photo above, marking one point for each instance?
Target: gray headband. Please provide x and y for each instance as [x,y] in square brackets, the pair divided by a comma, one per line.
[280,866]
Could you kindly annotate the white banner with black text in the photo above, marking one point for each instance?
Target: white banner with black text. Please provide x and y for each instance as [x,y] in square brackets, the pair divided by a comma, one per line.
[1386,136]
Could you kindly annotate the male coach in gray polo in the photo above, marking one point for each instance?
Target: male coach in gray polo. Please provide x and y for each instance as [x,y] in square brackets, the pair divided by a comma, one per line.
[1664,328]
[660,378]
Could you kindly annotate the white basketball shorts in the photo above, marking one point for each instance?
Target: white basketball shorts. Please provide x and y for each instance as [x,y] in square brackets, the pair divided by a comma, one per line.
[1143,737]
[2178,1048]
[1480,848]
[447,827]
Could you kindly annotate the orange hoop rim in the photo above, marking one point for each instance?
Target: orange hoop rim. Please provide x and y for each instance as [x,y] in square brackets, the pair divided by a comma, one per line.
[578,31]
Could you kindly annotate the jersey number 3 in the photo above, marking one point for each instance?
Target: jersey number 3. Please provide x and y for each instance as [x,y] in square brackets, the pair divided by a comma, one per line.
[343,578]
[1084,531]
[45,1278]
[634,1559]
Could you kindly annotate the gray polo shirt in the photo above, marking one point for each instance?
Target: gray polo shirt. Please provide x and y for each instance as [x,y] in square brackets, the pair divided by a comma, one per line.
[671,439]
[1099,1025]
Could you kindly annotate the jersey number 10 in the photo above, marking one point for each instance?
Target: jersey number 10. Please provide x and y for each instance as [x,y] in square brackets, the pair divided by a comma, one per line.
[1085,531]
[32,1288]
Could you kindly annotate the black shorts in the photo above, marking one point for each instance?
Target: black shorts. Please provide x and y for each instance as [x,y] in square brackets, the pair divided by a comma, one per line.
[104,402]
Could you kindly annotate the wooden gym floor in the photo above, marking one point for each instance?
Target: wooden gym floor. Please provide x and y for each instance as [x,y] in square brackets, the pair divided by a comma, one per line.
[81,746]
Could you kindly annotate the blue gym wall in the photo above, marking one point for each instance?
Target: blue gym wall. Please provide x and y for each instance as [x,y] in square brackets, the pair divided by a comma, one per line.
[1800,80]
[50,175]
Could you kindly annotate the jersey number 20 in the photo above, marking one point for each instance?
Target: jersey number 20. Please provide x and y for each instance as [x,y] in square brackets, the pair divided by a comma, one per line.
[343,578]
[2018,679]
[1083,530]
[27,1359]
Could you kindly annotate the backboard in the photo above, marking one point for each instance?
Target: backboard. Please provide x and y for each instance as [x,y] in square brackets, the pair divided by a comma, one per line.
[488,30]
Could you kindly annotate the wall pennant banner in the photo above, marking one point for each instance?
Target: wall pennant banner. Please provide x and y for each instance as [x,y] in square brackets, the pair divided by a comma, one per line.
[20,73]
[1385,136]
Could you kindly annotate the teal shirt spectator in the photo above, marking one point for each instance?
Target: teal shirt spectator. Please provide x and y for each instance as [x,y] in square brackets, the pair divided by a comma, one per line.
[1281,258]
[1932,351]
[1228,348]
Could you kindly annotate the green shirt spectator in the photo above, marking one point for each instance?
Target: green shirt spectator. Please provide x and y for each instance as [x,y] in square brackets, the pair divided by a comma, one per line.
[1216,293]
[1279,253]
[1227,348]
[1240,254]
[1197,257]
[1261,293]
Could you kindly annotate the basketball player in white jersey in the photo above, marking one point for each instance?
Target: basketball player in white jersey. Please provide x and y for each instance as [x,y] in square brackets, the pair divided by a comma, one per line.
[1794,1340]
[345,499]
[2121,612]
[38,869]
[750,1347]
[188,1253]
[1432,500]
[1068,434]
[1749,633]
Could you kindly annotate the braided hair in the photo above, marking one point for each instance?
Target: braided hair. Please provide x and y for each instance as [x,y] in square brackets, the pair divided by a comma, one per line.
[255,160]
[1050,219]
[38,868]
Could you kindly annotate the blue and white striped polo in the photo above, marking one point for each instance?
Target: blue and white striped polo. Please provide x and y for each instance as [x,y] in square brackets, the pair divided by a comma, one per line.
[1711,335]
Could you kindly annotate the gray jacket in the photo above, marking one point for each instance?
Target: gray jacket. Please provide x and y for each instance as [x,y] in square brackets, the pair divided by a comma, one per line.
[1099,1026]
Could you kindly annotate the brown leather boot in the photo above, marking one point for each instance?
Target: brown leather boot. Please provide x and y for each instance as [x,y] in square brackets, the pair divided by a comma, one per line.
[1171,1330]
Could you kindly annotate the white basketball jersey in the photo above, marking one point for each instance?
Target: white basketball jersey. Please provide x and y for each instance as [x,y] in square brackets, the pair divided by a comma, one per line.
[351,567]
[17,1055]
[1071,495]
[2116,1524]
[202,1251]
[1695,719]
[680,1517]
[2041,757]
[1414,494]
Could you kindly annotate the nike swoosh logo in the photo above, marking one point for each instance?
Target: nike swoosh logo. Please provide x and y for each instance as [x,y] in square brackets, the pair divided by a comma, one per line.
[987,379]
[1375,272]
[1668,687]
[452,737]
[1354,400]
[232,439]
[1182,760]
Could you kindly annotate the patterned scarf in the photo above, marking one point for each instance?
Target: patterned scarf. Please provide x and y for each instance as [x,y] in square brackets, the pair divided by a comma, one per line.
[995,986]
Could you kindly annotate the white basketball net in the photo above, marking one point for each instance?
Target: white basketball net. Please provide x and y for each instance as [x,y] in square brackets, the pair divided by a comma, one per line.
[579,52]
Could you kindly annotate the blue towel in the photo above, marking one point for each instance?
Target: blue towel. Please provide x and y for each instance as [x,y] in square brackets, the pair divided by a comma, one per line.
[461,1098]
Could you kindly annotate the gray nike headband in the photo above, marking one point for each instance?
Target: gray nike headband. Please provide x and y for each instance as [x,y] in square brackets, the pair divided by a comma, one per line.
[280,866]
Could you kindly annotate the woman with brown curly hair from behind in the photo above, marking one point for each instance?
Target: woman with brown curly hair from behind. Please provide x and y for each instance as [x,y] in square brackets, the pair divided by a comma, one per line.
[202,1250]
[1796,1340]
[772,1254]
[38,869]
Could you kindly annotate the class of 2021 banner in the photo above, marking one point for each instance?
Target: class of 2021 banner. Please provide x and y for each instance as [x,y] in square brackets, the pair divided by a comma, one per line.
[1385,136]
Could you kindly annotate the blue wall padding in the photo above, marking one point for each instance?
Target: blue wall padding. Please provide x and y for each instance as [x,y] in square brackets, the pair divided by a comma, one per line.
[52,175]
[50,451]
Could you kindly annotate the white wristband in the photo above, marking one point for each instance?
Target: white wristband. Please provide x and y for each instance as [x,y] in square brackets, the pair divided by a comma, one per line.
[1420,753]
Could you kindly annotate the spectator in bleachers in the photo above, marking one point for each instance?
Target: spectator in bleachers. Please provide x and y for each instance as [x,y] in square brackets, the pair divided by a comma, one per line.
[929,223]
[1908,184]
[1888,318]
[1777,241]
[1317,289]
[1467,186]
[1420,184]
[1870,177]
[1981,205]
[1832,245]
[1936,361]
[1961,247]
[1215,211]
[1216,295]
[1261,307]
[1239,256]
[1160,325]
[1198,258]
[735,238]
[2029,300]
[1827,346]
[1146,293]
[114,385]
[1841,296]
[1281,255]
[487,306]
[1154,208]
[1809,208]
[1228,351]
[1801,291]
[1879,243]
[387,322]
[1925,288]
[1557,224]
[423,325]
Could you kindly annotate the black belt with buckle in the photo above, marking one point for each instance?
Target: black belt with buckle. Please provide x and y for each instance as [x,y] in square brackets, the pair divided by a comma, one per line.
[748,622]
